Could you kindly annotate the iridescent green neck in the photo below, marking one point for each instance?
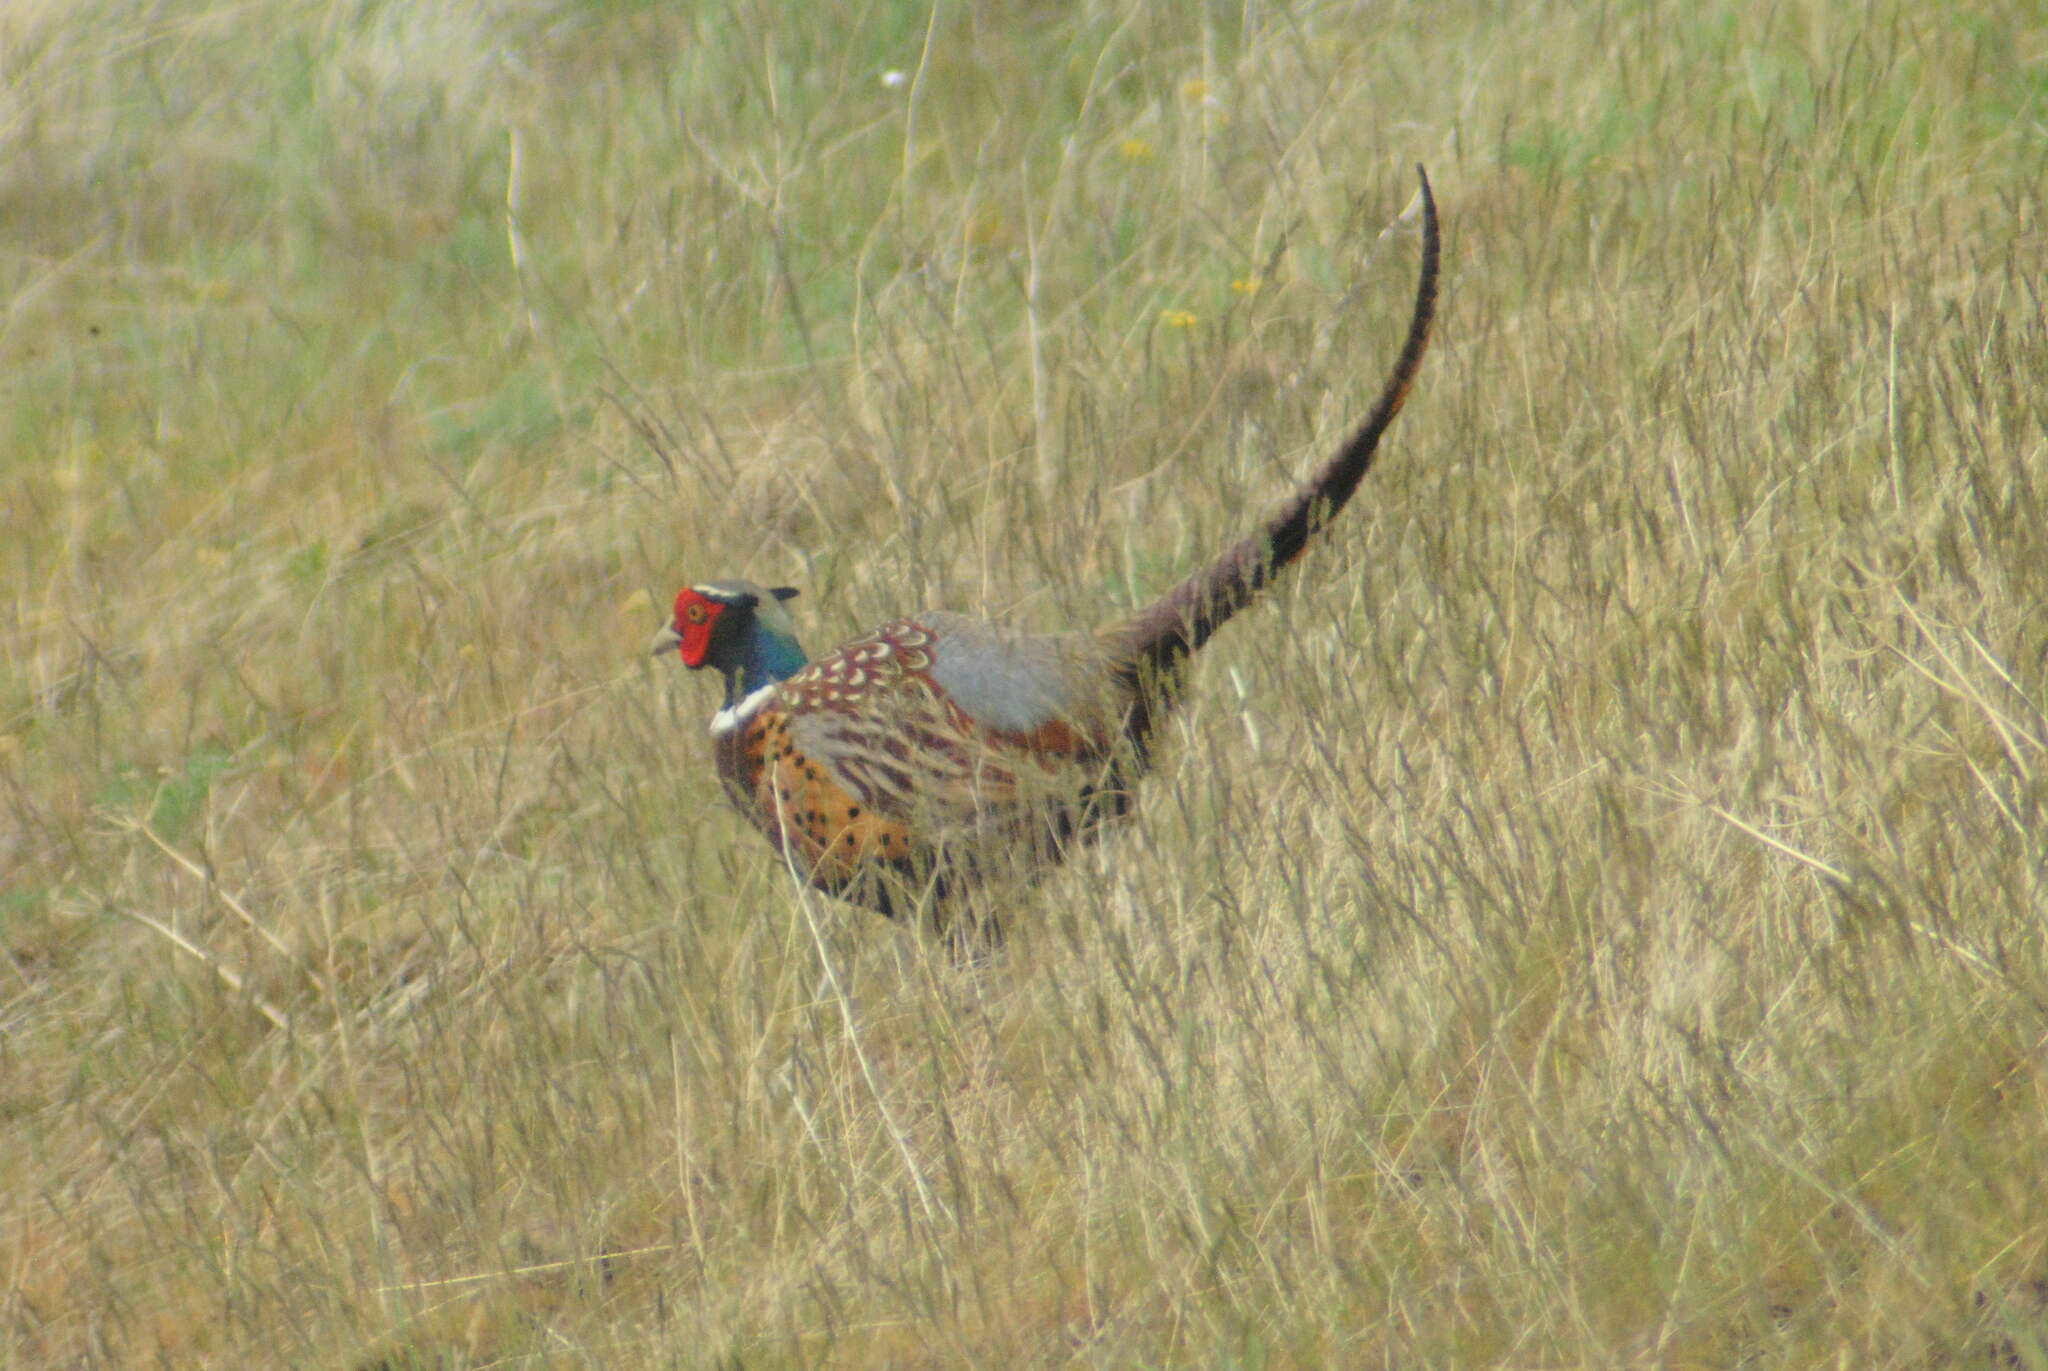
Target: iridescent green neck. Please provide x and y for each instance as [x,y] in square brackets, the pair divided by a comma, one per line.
[768,657]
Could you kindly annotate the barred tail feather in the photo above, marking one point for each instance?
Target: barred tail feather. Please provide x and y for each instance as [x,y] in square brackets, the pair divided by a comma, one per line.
[1154,642]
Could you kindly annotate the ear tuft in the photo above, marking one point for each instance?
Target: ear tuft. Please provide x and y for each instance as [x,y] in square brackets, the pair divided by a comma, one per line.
[785,592]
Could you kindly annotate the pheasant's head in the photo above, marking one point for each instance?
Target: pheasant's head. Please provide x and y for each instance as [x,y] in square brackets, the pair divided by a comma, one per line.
[736,626]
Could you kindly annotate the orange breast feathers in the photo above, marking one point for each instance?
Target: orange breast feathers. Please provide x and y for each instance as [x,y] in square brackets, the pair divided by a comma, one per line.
[816,820]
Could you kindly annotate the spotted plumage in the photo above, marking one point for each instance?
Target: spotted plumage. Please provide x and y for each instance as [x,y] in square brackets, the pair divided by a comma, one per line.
[864,761]
[908,764]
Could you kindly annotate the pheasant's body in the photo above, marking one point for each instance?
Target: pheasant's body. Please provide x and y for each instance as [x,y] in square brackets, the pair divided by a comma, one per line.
[930,735]
[908,763]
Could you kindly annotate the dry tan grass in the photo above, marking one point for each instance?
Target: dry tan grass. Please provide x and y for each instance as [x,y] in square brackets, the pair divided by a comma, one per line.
[1591,915]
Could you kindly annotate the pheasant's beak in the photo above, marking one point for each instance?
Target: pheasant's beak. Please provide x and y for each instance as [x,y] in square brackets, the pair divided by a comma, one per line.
[668,640]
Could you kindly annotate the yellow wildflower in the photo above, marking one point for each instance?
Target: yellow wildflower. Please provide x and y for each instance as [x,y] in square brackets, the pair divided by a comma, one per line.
[1137,150]
[1247,285]
[1177,318]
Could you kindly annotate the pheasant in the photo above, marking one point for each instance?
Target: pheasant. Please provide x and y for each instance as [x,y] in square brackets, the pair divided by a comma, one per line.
[906,766]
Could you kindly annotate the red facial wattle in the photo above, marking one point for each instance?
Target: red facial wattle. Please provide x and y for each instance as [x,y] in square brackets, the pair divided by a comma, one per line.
[694,617]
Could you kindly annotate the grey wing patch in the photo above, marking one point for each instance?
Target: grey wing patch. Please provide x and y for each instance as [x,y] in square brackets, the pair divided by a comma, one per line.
[1008,684]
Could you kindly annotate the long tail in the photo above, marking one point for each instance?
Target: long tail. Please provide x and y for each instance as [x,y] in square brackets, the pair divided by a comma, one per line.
[1152,644]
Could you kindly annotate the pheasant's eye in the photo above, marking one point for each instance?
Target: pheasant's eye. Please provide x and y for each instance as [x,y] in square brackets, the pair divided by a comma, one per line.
[694,613]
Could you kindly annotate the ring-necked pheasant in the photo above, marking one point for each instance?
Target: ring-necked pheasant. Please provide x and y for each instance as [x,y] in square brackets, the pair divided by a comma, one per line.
[907,763]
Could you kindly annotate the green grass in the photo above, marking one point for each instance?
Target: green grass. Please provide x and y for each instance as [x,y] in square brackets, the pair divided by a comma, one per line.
[1591,915]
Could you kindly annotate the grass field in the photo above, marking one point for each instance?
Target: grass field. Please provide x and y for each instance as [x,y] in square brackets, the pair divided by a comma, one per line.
[1591,915]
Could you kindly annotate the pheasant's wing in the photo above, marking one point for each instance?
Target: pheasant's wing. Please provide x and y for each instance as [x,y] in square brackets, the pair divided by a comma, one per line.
[920,722]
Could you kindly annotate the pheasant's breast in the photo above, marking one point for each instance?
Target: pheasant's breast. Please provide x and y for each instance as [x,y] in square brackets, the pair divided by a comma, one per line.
[801,802]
